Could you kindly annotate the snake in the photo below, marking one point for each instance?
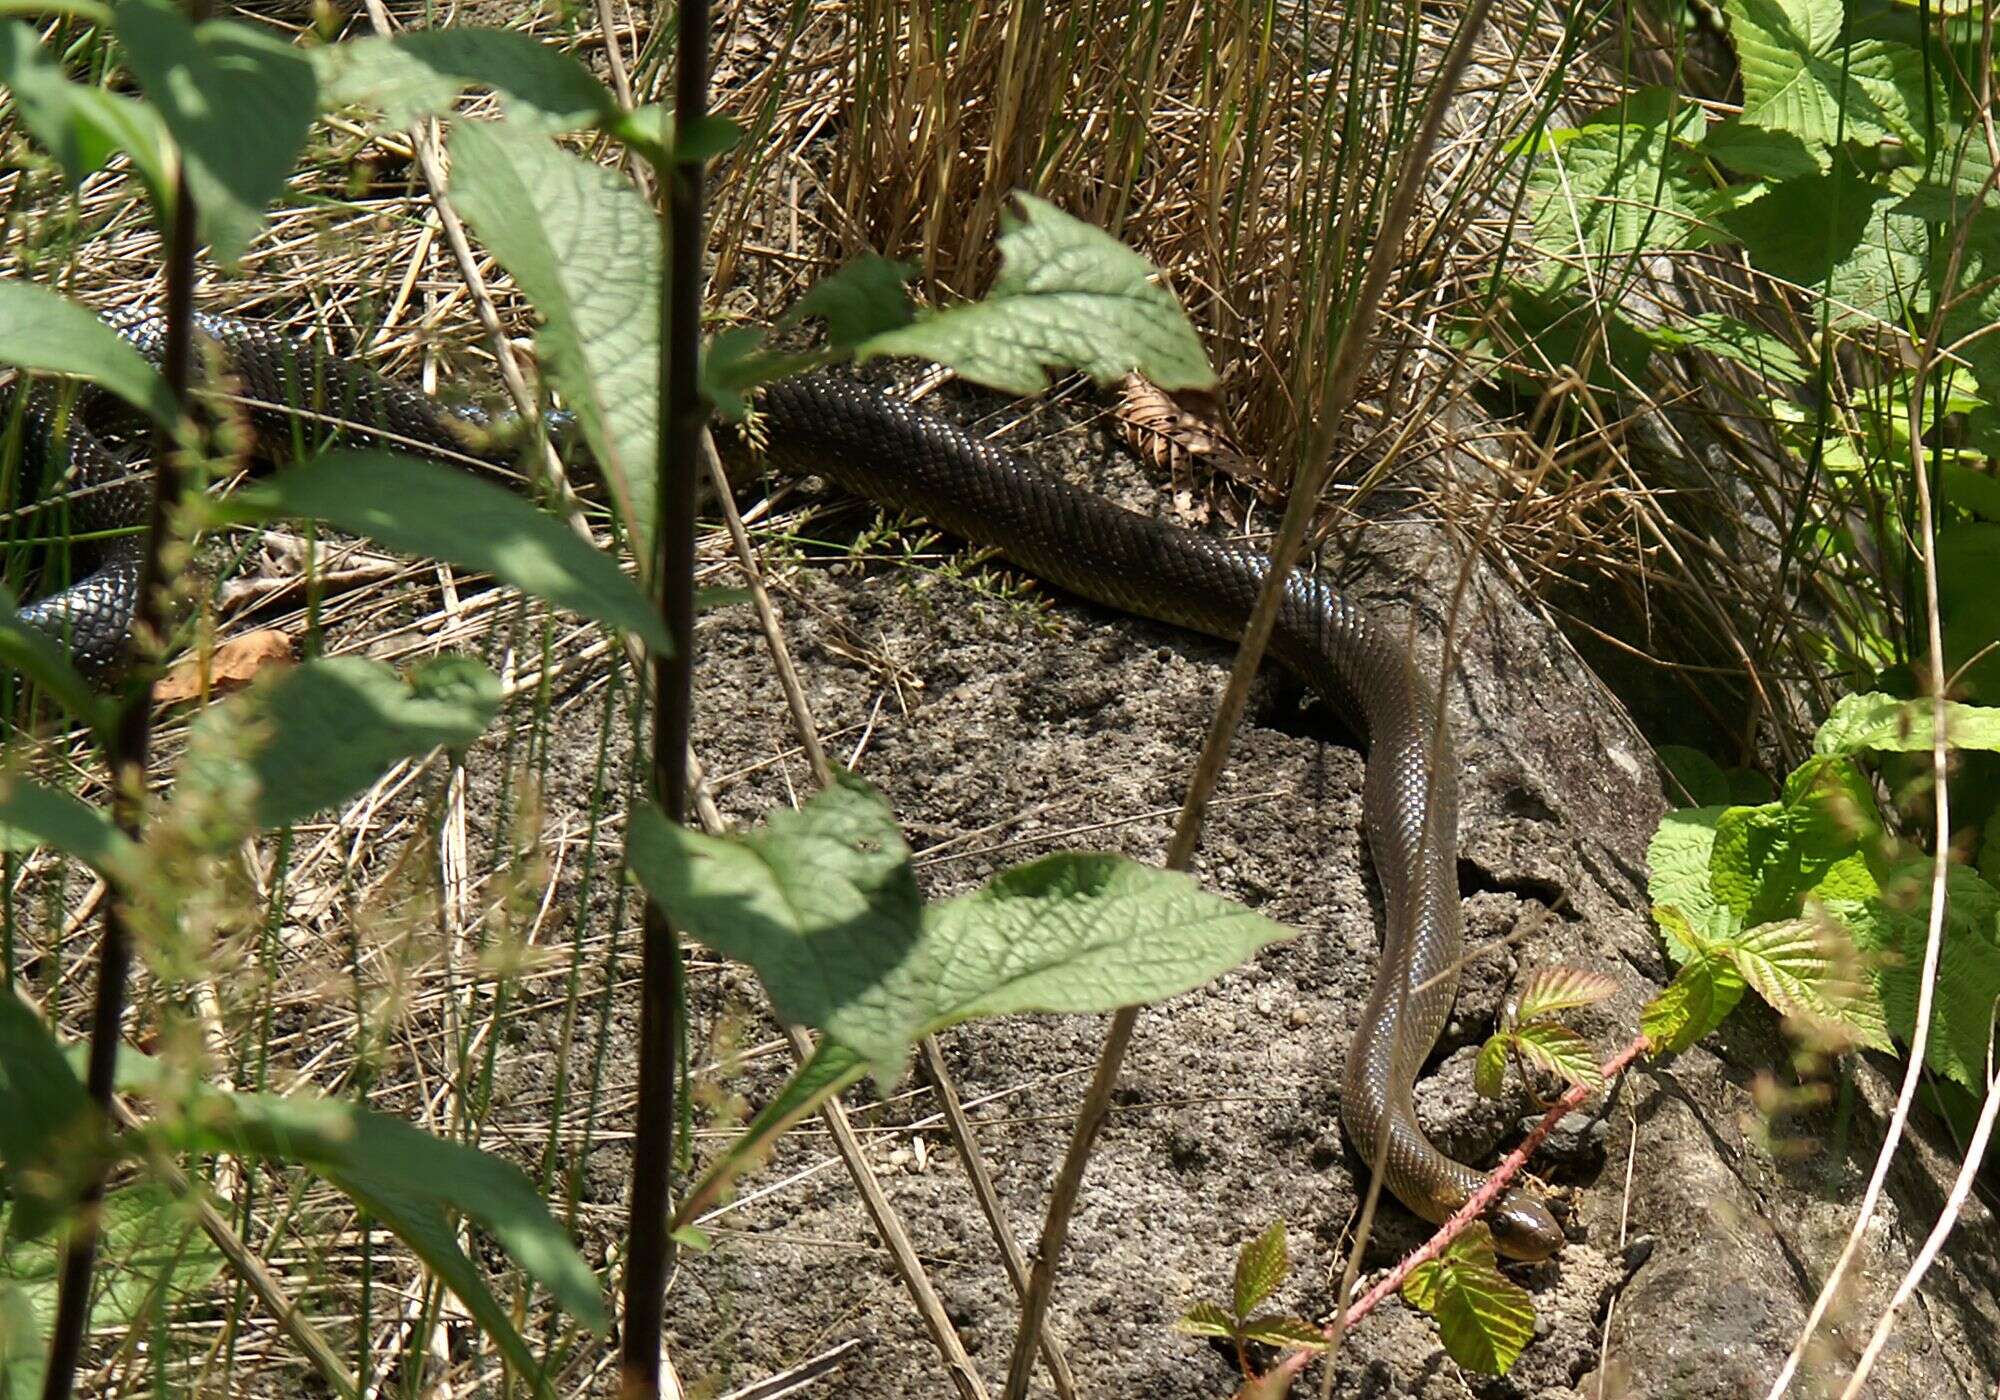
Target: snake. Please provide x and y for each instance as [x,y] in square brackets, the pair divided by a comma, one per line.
[905,458]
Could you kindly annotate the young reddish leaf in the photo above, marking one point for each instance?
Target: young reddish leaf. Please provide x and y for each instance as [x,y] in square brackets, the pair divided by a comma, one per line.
[1260,1268]
[1275,1331]
[1559,1050]
[1206,1320]
[1547,990]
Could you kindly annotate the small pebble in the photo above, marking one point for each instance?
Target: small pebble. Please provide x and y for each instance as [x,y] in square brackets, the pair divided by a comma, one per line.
[1299,1016]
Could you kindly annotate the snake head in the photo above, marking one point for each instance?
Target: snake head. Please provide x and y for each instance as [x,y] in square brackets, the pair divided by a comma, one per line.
[1523,1228]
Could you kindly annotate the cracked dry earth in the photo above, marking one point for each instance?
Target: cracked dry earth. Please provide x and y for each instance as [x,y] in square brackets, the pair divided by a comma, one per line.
[1001,731]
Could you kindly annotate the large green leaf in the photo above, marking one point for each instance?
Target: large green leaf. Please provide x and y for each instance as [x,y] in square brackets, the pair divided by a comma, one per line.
[1486,1318]
[82,127]
[823,905]
[1702,994]
[1968,975]
[1069,296]
[1678,856]
[238,102]
[822,902]
[585,247]
[39,330]
[32,815]
[1627,180]
[315,735]
[50,1132]
[1841,235]
[411,76]
[151,1256]
[1811,973]
[430,509]
[1889,724]
[1797,79]
[408,1179]
[1815,841]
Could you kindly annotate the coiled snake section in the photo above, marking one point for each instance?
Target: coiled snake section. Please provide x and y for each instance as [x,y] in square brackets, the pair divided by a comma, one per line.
[874,444]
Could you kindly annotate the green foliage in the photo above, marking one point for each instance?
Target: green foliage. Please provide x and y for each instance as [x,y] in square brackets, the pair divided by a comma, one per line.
[1484,1316]
[314,735]
[408,77]
[41,331]
[1802,900]
[237,102]
[1529,1031]
[823,903]
[585,247]
[51,1135]
[1628,179]
[151,1257]
[1261,1267]
[1068,296]
[1801,80]
[32,815]
[430,509]
[81,126]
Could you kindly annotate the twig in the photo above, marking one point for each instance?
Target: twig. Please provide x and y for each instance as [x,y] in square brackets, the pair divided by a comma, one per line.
[663,994]
[1356,341]
[130,750]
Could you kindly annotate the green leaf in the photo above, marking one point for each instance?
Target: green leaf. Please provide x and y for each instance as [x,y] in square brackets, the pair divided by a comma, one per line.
[28,652]
[863,299]
[1753,150]
[1814,841]
[150,1254]
[1560,1051]
[1702,994]
[314,735]
[1627,180]
[1968,979]
[427,508]
[1679,856]
[736,361]
[822,904]
[1260,1268]
[412,76]
[41,331]
[1485,1318]
[1811,972]
[1489,1071]
[32,815]
[82,127]
[1068,296]
[1079,932]
[1797,80]
[831,1068]
[585,247]
[1274,1330]
[1838,234]
[1206,1320]
[238,102]
[1729,339]
[51,1135]
[1548,990]
[408,1179]
[1887,724]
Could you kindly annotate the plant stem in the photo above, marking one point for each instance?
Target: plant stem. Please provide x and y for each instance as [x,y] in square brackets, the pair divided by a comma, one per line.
[663,993]
[130,746]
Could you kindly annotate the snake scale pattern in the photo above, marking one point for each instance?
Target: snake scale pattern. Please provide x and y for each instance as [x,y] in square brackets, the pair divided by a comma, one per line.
[883,448]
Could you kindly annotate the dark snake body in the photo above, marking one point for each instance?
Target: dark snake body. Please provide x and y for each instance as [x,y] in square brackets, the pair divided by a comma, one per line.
[887,450]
